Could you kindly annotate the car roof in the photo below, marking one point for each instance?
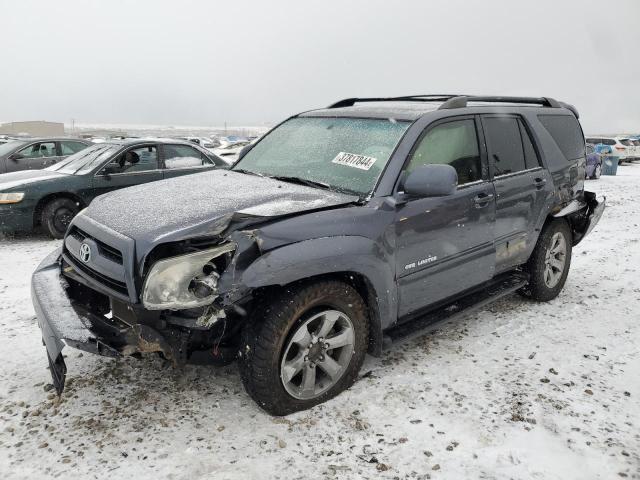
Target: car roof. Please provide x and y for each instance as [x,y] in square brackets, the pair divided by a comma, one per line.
[144,141]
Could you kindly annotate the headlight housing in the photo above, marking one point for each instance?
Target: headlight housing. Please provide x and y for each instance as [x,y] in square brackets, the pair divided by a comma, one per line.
[172,283]
[13,197]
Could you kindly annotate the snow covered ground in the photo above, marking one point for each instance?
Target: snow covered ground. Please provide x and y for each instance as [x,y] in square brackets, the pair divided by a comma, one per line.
[519,390]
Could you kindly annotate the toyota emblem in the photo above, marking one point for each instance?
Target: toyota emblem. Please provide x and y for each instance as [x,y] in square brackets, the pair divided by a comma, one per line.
[85,253]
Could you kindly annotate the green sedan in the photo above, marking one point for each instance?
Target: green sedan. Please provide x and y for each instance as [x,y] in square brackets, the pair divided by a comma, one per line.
[50,198]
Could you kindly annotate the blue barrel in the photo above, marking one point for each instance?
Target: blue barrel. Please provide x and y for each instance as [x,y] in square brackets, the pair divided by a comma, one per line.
[609,161]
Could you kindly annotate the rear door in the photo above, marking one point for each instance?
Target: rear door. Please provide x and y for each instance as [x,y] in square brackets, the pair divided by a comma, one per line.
[181,160]
[521,186]
[34,156]
[134,166]
[444,245]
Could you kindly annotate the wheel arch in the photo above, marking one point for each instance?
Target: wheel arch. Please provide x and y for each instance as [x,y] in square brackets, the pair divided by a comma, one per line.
[37,211]
[357,261]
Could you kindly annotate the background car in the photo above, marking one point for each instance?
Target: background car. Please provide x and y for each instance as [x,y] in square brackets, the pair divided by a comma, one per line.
[621,146]
[593,167]
[37,153]
[50,198]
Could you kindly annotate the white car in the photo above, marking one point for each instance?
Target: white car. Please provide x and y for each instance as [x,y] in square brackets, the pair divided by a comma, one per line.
[622,147]
[229,152]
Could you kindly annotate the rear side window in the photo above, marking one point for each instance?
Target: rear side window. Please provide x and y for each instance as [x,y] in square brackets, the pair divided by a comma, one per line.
[184,156]
[530,155]
[505,144]
[626,143]
[566,132]
[69,148]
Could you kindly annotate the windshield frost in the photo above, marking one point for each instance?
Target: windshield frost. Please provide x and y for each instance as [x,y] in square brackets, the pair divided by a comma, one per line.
[348,154]
[85,160]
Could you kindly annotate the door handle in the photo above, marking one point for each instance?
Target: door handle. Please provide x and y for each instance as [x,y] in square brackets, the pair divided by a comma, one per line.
[482,199]
[539,182]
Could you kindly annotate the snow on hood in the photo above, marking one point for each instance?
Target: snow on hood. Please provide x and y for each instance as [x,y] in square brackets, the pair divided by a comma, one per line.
[25,177]
[203,203]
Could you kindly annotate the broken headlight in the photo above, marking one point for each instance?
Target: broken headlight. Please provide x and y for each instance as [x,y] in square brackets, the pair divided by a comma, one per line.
[185,281]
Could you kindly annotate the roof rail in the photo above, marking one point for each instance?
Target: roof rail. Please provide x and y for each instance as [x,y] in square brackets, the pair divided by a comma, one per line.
[350,102]
[461,101]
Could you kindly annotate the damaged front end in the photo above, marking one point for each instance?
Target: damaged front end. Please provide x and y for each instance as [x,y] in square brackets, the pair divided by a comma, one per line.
[190,307]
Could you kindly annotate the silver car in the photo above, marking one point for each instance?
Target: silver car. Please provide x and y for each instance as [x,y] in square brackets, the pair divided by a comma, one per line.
[37,153]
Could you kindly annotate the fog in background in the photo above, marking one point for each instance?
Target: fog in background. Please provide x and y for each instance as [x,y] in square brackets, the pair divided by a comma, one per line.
[255,62]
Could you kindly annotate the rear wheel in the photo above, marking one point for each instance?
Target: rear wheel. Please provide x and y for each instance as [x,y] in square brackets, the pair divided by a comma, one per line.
[305,347]
[549,263]
[57,215]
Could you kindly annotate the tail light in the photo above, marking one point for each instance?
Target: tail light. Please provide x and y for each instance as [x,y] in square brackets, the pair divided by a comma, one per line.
[620,148]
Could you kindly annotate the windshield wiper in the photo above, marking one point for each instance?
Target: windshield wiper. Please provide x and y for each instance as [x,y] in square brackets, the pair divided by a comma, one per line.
[249,172]
[302,181]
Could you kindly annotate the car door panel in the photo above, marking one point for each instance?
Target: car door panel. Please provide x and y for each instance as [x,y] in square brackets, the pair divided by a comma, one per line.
[444,245]
[521,188]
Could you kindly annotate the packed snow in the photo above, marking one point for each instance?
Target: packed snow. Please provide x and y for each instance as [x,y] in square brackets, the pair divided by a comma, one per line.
[518,390]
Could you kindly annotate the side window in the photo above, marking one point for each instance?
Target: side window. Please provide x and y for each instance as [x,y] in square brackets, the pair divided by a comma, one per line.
[140,159]
[531,159]
[505,144]
[39,150]
[183,156]
[69,148]
[567,134]
[452,143]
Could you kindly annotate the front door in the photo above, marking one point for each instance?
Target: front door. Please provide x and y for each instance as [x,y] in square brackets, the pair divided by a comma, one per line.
[444,245]
[521,188]
[134,166]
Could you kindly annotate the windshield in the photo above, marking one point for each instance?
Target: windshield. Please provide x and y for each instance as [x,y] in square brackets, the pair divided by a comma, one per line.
[85,160]
[347,154]
[10,146]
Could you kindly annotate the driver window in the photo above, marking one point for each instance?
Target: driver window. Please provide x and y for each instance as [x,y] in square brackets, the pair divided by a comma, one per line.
[452,143]
[39,150]
[139,159]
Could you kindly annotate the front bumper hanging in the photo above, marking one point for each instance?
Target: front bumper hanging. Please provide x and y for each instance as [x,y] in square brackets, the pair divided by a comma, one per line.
[65,322]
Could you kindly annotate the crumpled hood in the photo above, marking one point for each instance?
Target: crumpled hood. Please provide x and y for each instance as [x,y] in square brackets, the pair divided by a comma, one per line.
[25,177]
[203,204]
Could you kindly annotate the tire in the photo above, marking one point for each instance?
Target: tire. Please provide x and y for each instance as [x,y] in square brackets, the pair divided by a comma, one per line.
[56,216]
[548,270]
[597,172]
[274,339]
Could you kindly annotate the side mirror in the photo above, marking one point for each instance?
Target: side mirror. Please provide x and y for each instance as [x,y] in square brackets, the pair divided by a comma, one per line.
[431,181]
[16,156]
[110,170]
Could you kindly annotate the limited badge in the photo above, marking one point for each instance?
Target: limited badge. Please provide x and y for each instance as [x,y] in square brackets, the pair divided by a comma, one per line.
[353,160]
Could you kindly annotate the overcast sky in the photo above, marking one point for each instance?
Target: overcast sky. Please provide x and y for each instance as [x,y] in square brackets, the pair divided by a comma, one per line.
[185,62]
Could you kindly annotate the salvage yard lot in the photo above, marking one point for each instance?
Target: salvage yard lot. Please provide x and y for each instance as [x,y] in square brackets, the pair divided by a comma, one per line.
[517,390]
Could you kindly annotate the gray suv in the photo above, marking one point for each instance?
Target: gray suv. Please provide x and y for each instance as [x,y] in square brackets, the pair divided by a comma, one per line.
[339,231]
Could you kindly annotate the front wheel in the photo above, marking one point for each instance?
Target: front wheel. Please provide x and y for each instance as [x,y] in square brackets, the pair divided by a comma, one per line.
[549,263]
[57,215]
[305,347]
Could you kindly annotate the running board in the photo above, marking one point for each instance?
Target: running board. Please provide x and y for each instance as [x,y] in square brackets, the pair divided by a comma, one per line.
[474,300]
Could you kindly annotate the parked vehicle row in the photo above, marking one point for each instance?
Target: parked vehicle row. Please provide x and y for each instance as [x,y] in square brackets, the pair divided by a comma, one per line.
[626,149]
[51,197]
[340,229]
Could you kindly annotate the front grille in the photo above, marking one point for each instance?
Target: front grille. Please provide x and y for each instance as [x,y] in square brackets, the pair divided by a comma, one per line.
[105,250]
[115,285]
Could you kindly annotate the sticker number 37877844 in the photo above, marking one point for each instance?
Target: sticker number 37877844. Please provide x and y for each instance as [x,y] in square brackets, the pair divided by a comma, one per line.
[353,160]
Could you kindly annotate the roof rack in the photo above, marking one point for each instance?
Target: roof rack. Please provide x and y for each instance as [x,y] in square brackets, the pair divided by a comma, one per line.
[350,102]
[461,101]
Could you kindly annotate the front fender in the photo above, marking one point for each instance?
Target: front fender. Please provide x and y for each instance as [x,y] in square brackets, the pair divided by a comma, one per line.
[326,255]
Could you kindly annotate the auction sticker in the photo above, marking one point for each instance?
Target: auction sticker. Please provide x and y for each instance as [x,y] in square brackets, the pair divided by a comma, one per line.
[353,160]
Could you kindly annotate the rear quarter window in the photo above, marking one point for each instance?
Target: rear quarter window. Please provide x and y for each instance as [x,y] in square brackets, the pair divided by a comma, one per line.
[566,132]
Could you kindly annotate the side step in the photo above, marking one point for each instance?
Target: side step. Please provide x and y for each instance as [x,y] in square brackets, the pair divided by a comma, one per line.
[473,300]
